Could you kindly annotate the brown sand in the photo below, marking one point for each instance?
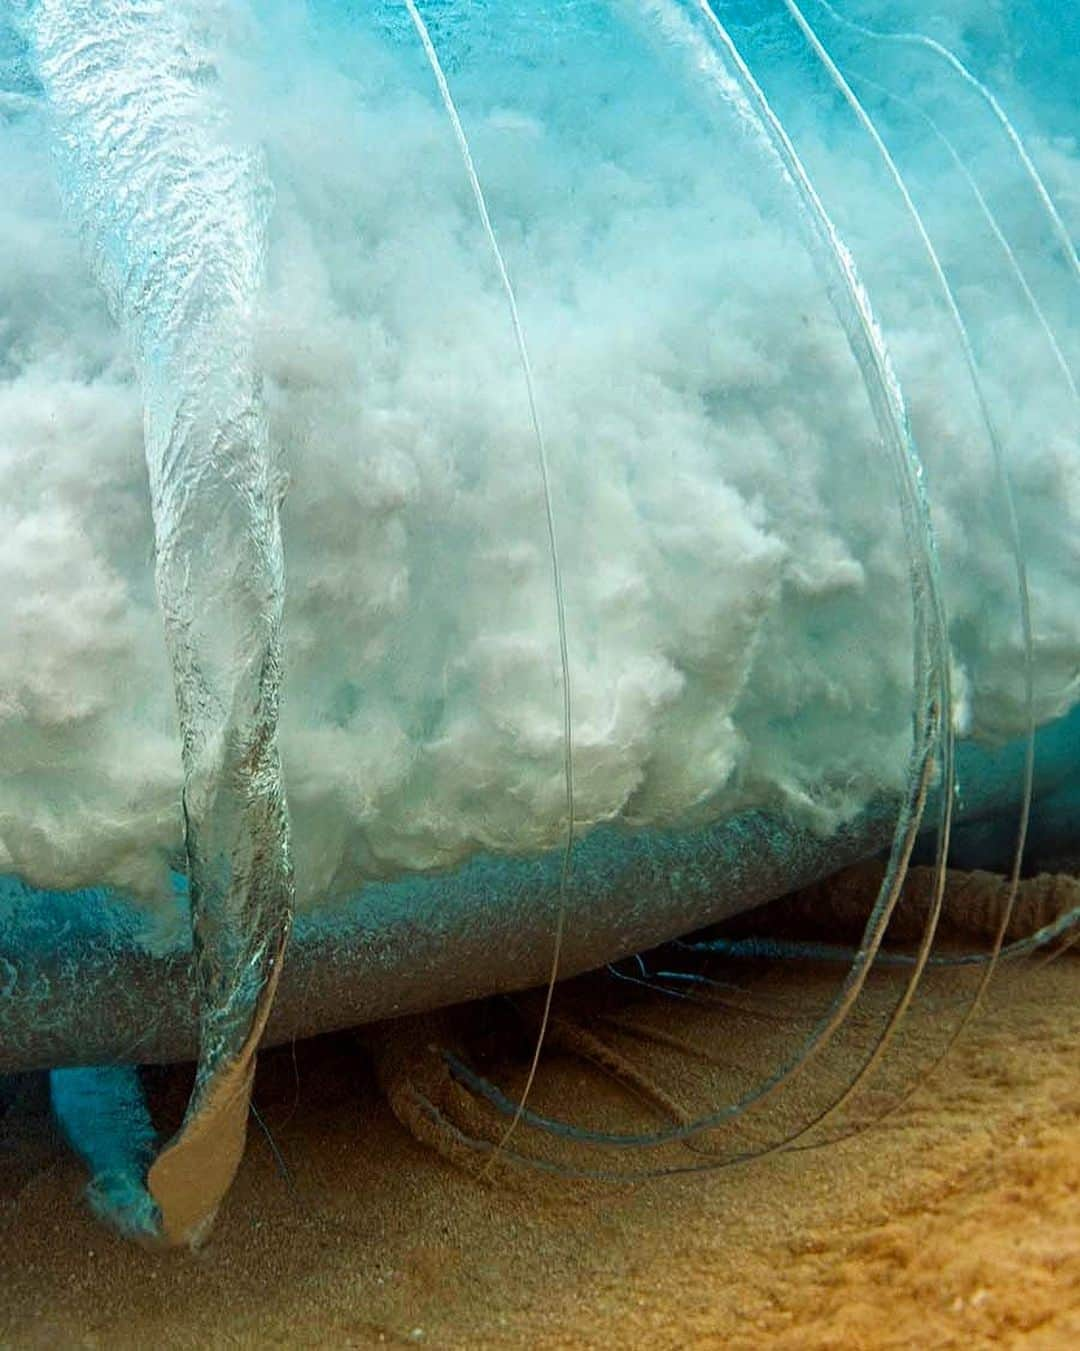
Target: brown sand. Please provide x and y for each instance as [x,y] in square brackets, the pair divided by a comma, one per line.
[954,1222]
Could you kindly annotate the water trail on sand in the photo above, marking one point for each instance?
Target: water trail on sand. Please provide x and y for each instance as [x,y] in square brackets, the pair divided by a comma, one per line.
[173,215]
[552,535]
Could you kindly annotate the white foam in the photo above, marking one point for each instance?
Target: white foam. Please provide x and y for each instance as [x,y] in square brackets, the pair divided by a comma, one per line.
[738,605]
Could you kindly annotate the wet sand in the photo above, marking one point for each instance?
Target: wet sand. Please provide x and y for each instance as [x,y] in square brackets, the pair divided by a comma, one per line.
[954,1222]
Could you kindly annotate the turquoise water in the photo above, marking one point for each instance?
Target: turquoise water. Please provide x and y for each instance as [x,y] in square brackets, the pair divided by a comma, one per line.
[433,438]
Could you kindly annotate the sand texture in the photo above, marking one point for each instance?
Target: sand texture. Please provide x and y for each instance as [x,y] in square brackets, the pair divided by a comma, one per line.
[954,1222]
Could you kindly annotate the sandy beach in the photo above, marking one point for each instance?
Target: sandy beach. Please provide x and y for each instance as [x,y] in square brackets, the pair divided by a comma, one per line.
[953,1222]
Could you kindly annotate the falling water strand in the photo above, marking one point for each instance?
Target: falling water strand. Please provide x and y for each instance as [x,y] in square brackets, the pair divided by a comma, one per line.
[173,213]
[1016,550]
[988,216]
[556,573]
[731,79]
[1057,225]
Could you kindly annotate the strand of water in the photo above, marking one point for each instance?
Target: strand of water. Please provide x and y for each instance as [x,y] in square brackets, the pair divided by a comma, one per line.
[988,216]
[173,213]
[929,44]
[1019,565]
[553,545]
[731,79]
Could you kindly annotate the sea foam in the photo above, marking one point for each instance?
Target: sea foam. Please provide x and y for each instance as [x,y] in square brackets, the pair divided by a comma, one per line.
[738,599]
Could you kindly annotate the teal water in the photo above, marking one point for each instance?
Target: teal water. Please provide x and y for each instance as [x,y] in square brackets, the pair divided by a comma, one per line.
[659,437]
